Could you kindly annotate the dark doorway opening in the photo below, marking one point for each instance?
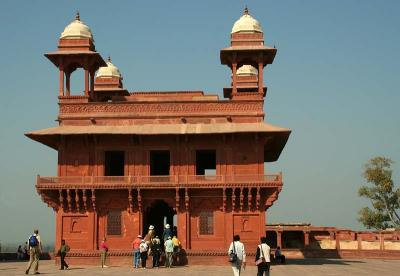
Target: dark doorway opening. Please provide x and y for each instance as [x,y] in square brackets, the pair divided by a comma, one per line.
[271,239]
[206,162]
[114,163]
[292,239]
[158,214]
[159,162]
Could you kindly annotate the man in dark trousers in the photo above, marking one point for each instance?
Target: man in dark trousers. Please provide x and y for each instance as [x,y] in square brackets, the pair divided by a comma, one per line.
[263,260]
[63,252]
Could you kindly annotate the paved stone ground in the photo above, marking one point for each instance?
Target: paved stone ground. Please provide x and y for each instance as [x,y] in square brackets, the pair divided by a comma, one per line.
[325,267]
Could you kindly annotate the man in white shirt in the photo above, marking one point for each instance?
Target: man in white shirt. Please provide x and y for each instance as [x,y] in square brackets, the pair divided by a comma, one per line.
[35,248]
[263,259]
[238,248]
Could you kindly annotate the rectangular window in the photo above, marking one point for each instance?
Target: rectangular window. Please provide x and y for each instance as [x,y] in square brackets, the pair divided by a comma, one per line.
[206,223]
[206,162]
[114,163]
[114,222]
[159,162]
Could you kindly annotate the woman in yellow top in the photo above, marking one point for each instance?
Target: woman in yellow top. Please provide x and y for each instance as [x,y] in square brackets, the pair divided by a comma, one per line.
[177,249]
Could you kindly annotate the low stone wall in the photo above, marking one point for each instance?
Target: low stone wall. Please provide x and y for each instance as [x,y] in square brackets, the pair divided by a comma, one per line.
[391,245]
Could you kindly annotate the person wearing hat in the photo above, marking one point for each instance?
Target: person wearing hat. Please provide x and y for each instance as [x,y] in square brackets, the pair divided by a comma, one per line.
[136,251]
[167,232]
[143,253]
[150,235]
[169,251]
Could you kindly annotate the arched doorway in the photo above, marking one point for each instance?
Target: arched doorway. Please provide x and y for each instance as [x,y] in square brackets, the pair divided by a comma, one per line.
[158,214]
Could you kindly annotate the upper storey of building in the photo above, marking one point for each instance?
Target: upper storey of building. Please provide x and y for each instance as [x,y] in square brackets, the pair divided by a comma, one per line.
[106,107]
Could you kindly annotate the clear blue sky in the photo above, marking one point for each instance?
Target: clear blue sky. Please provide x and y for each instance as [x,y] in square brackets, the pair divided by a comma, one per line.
[334,82]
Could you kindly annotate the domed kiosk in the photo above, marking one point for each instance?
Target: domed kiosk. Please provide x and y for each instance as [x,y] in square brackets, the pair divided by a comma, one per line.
[76,50]
[108,83]
[247,51]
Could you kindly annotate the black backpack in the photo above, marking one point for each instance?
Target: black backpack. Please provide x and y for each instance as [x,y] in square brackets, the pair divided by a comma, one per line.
[233,255]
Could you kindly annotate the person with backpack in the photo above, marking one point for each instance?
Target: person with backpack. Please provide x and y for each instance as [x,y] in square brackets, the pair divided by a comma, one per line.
[237,255]
[64,249]
[35,248]
[143,253]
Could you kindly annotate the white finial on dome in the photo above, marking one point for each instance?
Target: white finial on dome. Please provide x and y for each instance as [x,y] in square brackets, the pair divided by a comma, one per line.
[77,29]
[109,71]
[247,70]
[246,23]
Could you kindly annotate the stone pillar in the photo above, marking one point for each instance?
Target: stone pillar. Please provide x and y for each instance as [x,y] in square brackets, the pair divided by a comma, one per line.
[306,239]
[260,76]
[92,83]
[68,84]
[95,230]
[234,84]
[359,246]
[61,82]
[187,211]
[279,238]
[86,82]
[337,241]
[382,241]
[59,230]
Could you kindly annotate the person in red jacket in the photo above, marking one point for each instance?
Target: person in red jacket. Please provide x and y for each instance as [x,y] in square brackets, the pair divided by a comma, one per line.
[136,251]
[103,251]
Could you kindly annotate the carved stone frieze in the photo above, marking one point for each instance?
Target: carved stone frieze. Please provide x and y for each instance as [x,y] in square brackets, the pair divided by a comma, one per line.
[151,109]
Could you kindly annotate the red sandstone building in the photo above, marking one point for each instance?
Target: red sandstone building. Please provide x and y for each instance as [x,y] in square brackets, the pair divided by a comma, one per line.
[127,160]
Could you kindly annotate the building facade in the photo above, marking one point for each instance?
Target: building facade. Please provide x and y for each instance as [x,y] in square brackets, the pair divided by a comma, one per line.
[128,160]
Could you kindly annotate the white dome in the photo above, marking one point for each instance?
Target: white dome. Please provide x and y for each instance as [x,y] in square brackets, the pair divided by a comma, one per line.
[247,70]
[109,71]
[77,29]
[246,23]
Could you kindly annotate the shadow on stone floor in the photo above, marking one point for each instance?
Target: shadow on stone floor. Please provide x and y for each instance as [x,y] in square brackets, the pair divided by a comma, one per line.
[320,262]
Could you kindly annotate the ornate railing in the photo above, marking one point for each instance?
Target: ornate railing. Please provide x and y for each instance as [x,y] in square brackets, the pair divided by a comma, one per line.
[167,181]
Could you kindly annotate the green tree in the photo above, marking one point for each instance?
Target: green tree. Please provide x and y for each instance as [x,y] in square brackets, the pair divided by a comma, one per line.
[385,199]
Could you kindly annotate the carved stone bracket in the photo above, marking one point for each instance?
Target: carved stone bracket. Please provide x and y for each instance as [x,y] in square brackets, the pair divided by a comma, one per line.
[69,200]
[94,199]
[84,199]
[61,198]
[258,198]
[249,198]
[77,200]
[130,199]
[272,198]
[187,199]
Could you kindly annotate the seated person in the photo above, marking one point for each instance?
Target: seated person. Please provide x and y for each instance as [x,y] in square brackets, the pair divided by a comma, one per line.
[279,257]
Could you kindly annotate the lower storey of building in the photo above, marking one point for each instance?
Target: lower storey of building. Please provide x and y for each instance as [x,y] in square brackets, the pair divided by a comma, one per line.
[203,223]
